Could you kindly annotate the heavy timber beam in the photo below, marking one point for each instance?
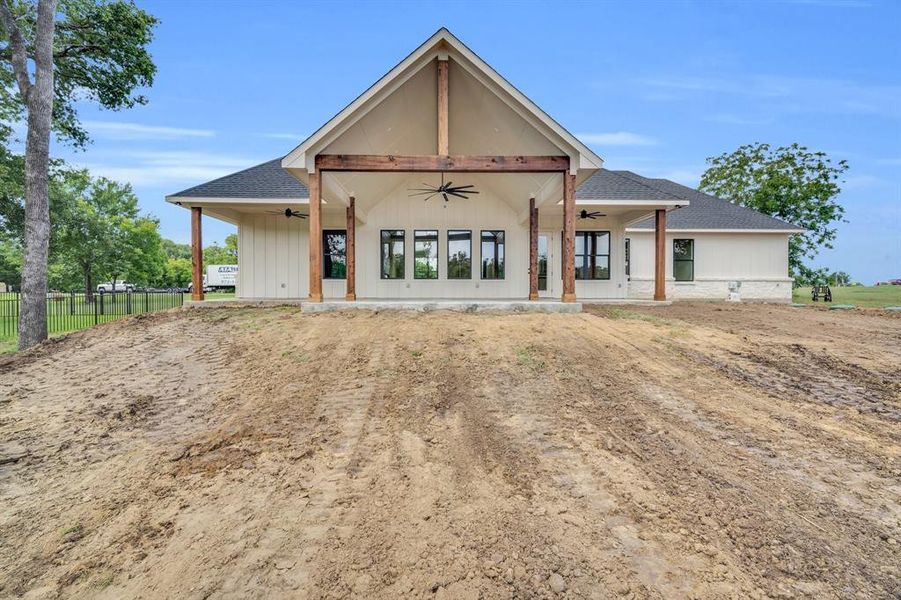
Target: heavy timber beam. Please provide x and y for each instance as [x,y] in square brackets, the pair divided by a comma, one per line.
[533,250]
[660,255]
[437,164]
[569,238]
[196,253]
[351,250]
[443,122]
[315,187]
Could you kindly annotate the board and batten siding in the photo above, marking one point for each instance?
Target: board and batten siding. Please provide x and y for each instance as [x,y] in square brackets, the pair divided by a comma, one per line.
[758,260]
[273,251]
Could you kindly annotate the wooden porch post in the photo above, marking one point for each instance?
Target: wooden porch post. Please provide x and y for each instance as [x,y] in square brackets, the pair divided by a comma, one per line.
[443,137]
[533,250]
[660,255]
[569,237]
[196,254]
[315,236]
[350,251]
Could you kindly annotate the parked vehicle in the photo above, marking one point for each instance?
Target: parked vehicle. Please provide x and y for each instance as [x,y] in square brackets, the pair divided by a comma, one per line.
[206,288]
[120,286]
[221,276]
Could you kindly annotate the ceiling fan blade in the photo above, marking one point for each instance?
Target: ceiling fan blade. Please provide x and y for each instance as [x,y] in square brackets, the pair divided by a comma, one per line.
[424,192]
[429,197]
[446,199]
[462,190]
[457,194]
[462,187]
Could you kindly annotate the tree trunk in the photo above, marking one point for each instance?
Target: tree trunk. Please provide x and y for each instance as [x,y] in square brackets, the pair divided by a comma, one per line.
[88,285]
[39,100]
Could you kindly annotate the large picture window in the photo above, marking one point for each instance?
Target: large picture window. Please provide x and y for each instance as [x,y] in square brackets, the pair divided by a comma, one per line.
[425,254]
[459,254]
[592,255]
[334,254]
[492,254]
[684,260]
[392,254]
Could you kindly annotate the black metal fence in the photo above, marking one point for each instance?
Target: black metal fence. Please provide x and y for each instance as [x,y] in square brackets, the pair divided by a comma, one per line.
[70,311]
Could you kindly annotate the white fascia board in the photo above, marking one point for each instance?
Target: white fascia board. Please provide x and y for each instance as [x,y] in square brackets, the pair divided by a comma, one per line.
[667,204]
[693,230]
[189,200]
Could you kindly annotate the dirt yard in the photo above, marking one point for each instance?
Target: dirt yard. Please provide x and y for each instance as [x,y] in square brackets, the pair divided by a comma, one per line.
[695,451]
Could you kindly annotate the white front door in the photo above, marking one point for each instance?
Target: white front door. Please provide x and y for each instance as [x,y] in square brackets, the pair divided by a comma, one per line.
[545,265]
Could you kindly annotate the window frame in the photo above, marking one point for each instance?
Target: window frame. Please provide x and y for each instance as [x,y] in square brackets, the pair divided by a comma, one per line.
[437,254]
[593,256]
[468,256]
[326,232]
[382,275]
[690,261]
[627,249]
[496,245]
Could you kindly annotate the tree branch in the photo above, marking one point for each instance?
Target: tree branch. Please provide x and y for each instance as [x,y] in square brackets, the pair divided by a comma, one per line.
[19,55]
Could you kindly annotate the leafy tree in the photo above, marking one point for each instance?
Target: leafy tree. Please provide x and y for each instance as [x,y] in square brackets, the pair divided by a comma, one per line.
[839,278]
[54,56]
[790,183]
[104,234]
[176,272]
[173,250]
[215,254]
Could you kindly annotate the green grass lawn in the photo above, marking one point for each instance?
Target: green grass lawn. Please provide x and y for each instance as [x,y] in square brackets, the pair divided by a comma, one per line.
[214,296]
[865,296]
[66,313]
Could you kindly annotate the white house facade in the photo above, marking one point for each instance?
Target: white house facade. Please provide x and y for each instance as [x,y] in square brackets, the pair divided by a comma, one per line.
[444,181]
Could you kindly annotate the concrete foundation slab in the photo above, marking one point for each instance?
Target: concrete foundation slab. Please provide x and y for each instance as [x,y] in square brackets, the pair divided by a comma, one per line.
[468,306]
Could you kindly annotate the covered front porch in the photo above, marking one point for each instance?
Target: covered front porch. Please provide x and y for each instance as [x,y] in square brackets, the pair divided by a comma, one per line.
[359,229]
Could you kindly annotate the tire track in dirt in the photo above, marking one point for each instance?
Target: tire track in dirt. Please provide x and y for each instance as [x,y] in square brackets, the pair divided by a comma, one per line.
[752,480]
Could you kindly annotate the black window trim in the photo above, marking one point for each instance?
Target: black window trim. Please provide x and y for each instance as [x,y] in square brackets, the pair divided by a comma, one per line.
[681,260]
[382,274]
[437,257]
[481,232]
[593,255]
[326,232]
[448,240]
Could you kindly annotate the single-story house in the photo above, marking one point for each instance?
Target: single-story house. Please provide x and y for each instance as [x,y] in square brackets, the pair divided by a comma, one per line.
[442,180]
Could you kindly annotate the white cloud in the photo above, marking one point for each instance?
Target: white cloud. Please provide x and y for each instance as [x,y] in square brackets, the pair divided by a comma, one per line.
[784,93]
[167,168]
[617,138]
[135,131]
[284,136]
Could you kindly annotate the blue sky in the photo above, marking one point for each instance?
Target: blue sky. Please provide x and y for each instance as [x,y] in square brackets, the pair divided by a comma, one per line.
[653,87]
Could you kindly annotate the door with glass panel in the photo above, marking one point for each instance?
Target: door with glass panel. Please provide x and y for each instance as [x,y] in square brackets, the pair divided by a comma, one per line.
[545,261]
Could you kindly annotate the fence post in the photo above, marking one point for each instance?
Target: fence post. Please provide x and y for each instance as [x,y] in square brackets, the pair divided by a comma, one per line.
[72,303]
[101,302]
[128,296]
[146,297]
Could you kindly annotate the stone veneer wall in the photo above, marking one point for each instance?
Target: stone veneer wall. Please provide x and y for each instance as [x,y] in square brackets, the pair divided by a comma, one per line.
[774,290]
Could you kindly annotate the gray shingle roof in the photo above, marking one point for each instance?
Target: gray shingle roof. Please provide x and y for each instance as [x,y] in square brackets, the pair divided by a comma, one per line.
[705,211]
[266,180]
[614,185]
[269,180]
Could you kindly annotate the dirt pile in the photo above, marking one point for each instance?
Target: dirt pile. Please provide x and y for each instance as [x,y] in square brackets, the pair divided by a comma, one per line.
[697,451]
